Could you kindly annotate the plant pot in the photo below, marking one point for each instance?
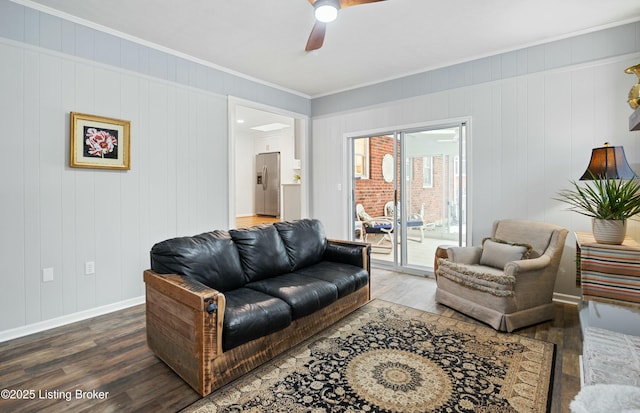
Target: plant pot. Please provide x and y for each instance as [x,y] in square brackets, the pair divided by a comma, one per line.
[609,231]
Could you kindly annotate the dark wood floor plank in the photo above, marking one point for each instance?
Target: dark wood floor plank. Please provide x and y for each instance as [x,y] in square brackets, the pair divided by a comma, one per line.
[109,353]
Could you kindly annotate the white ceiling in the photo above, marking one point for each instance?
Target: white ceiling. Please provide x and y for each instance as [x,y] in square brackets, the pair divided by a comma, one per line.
[265,39]
[252,118]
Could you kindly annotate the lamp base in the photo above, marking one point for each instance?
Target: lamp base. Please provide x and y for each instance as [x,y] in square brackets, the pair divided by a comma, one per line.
[634,120]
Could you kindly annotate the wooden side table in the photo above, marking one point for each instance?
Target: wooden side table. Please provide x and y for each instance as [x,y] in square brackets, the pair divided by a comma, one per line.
[441,252]
[608,271]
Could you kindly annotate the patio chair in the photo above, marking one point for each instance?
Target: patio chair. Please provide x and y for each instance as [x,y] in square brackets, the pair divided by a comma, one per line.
[375,226]
[415,221]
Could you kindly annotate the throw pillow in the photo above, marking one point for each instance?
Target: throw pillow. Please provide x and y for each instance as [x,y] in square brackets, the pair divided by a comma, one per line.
[497,254]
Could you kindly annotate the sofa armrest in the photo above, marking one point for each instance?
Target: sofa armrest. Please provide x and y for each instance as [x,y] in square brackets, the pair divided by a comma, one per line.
[186,290]
[464,255]
[348,252]
[184,324]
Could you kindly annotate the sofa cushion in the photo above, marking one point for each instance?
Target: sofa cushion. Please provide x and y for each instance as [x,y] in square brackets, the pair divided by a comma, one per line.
[304,240]
[250,314]
[262,252]
[497,254]
[347,278]
[210,258]
[305,295]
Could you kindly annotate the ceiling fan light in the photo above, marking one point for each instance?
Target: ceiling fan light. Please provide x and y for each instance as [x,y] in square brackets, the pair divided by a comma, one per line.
[326,11]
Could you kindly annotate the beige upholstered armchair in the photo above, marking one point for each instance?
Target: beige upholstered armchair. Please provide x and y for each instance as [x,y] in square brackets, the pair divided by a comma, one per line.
[508,282]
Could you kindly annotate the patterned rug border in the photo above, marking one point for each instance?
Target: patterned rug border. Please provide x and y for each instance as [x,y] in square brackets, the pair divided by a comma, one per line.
[374,306]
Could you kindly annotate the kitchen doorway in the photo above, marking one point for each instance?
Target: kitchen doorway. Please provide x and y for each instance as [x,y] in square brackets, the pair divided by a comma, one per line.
[255,129]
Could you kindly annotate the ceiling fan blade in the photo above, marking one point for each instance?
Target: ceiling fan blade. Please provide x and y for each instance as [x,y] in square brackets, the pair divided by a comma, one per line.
[348,3]
[316,38]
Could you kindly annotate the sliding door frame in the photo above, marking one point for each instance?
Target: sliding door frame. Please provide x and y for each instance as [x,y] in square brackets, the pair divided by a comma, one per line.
[399,263]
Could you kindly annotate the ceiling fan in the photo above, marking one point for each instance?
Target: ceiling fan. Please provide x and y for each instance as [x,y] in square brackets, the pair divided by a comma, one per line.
[326,11]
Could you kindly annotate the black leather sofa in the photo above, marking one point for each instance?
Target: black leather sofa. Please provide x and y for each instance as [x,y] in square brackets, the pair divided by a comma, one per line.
[223,302]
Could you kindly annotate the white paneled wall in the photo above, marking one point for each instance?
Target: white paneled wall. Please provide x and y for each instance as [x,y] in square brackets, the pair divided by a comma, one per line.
[53,216]
[529,136]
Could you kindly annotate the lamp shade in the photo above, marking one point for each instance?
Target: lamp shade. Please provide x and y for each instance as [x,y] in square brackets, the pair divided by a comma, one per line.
[608,162]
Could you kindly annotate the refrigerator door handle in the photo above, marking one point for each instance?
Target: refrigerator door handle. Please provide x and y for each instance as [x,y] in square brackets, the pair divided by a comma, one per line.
[264,177]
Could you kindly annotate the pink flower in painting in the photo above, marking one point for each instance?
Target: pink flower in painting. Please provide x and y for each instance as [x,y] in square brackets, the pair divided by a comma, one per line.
[100,142]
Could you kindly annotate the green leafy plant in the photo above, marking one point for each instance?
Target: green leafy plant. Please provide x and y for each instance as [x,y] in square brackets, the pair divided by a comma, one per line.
[606,198]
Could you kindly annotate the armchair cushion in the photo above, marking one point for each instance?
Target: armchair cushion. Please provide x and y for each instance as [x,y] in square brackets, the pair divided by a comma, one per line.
[378,228]
[497,254]
[516,231]
[478,277]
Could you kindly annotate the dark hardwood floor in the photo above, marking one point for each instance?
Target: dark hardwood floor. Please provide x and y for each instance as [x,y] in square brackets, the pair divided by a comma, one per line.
[109,354]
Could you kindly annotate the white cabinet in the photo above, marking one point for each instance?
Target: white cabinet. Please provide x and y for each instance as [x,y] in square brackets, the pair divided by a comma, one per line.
[290,202]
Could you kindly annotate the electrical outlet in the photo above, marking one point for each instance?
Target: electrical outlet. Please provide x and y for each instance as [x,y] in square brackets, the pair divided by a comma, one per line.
[47,275]
[89,267]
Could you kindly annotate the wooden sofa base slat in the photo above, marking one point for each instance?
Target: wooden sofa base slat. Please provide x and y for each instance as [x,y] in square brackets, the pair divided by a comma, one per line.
[179,329]
[215,372]
[172,317]
[178,355]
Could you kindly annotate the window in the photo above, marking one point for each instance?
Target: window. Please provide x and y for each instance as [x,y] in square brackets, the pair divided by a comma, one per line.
[427,172]
[361,158]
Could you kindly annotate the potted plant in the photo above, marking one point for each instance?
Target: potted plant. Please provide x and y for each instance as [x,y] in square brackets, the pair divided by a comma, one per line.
[609,202]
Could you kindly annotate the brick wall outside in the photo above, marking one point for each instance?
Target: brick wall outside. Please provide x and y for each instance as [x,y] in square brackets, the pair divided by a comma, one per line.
[374,193]
[431,197]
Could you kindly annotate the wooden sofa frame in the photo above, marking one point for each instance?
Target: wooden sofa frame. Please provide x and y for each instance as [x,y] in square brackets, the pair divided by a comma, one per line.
[184,328]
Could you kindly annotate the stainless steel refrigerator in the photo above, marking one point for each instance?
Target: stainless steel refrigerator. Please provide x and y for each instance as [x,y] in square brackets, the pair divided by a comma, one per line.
[268,184]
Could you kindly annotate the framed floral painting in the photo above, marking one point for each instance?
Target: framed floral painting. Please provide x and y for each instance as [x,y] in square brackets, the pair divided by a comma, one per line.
[99,142]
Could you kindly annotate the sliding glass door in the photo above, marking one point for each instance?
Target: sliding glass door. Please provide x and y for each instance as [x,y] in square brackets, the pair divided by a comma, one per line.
[409,193]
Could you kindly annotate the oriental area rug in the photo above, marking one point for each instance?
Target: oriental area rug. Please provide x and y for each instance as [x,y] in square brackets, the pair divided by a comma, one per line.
[385,357]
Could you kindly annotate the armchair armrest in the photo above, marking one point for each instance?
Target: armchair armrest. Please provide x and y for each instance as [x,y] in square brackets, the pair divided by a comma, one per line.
[348,252]
[184,324]
[527,266]
[464,255]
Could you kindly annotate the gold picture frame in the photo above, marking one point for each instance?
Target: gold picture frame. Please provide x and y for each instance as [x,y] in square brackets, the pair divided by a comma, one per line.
[99,142]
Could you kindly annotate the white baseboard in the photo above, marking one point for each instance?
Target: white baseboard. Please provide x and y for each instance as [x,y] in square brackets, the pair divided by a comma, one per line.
[68,319]
[566,298]
[94,312]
